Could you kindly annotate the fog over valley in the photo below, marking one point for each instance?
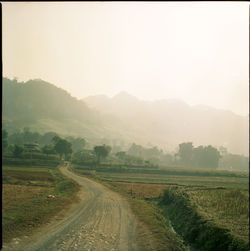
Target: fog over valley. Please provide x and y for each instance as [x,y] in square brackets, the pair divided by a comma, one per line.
[125,126]
[163,123]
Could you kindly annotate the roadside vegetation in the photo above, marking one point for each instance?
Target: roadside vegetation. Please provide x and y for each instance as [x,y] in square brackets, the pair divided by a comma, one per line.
[31,196]
[228,207]
[184,203]
[154,227]
[219,199]
[197,218]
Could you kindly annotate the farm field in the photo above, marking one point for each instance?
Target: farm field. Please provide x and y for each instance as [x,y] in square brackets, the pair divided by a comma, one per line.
[228,208]
[31,195]
[198,178]
[223,200]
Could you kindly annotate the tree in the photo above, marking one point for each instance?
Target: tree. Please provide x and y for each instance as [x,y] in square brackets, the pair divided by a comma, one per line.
[48,149]
[78,144]
[223,151]
[207,157]
[47,138]
[4,140]
[55,139]
[234,162]
[198,156]
[185,153]
[84,157]
[136,150]
[62,146]
[18,150]
[27,135]
[16,138]
[101,152]
[121,155]
[168,159]
[212,156]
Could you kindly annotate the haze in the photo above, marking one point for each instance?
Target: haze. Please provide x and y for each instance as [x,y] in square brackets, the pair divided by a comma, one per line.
[197,52]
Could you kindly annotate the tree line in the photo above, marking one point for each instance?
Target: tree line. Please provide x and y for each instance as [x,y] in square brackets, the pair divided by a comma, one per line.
[67,148]
[74,148]
[201,156]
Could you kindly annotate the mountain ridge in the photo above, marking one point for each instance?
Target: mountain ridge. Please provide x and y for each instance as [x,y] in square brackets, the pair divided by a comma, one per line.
[171,117]
[44,107]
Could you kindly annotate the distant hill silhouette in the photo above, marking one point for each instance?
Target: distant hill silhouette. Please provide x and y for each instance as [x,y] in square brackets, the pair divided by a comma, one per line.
[169,122]
[43,107]
[123,119]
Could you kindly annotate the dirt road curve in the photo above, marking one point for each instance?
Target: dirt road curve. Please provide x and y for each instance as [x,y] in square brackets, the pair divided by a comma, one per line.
[101,220]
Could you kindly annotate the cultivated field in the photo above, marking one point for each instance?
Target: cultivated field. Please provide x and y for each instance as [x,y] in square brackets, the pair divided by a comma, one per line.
[31,195]
[170,176]
[228,208]
[220,197]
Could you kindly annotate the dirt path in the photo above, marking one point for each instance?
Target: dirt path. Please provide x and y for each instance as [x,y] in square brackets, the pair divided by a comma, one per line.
[101,220]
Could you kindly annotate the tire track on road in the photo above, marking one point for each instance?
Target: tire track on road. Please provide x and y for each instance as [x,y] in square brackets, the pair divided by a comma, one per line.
[101,220]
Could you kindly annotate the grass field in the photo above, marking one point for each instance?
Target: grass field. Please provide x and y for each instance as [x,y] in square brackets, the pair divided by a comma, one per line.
[26,203]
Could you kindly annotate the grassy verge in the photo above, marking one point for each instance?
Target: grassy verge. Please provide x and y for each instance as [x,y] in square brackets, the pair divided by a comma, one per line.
[149,214]
[189,220]
[27,201]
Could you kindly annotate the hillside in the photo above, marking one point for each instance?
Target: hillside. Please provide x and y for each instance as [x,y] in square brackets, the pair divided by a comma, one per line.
[169,122]
[120,120]
[44,107]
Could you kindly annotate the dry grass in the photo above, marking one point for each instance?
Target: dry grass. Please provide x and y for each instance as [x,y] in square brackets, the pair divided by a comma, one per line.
[154,231]
[27,176]
[14,195]
[25,202]
[141,190]
[229,208]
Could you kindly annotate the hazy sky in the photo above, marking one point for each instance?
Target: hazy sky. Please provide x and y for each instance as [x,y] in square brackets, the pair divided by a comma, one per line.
[194,51]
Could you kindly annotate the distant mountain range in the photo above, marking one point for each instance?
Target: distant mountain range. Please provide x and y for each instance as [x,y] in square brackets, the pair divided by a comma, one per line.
[121,120]
[169,122]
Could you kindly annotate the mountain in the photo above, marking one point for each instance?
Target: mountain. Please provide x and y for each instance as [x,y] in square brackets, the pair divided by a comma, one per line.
[43,107]
[169,122]
[120,120]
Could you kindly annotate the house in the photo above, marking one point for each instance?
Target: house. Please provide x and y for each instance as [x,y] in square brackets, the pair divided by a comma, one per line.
[31,147]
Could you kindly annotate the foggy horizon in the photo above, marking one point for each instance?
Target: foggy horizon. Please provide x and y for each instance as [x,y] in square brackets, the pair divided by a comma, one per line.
[144,100]
[152,51]
[125,125]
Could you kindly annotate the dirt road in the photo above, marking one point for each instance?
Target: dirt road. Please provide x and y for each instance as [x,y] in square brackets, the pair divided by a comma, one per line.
[101,220]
